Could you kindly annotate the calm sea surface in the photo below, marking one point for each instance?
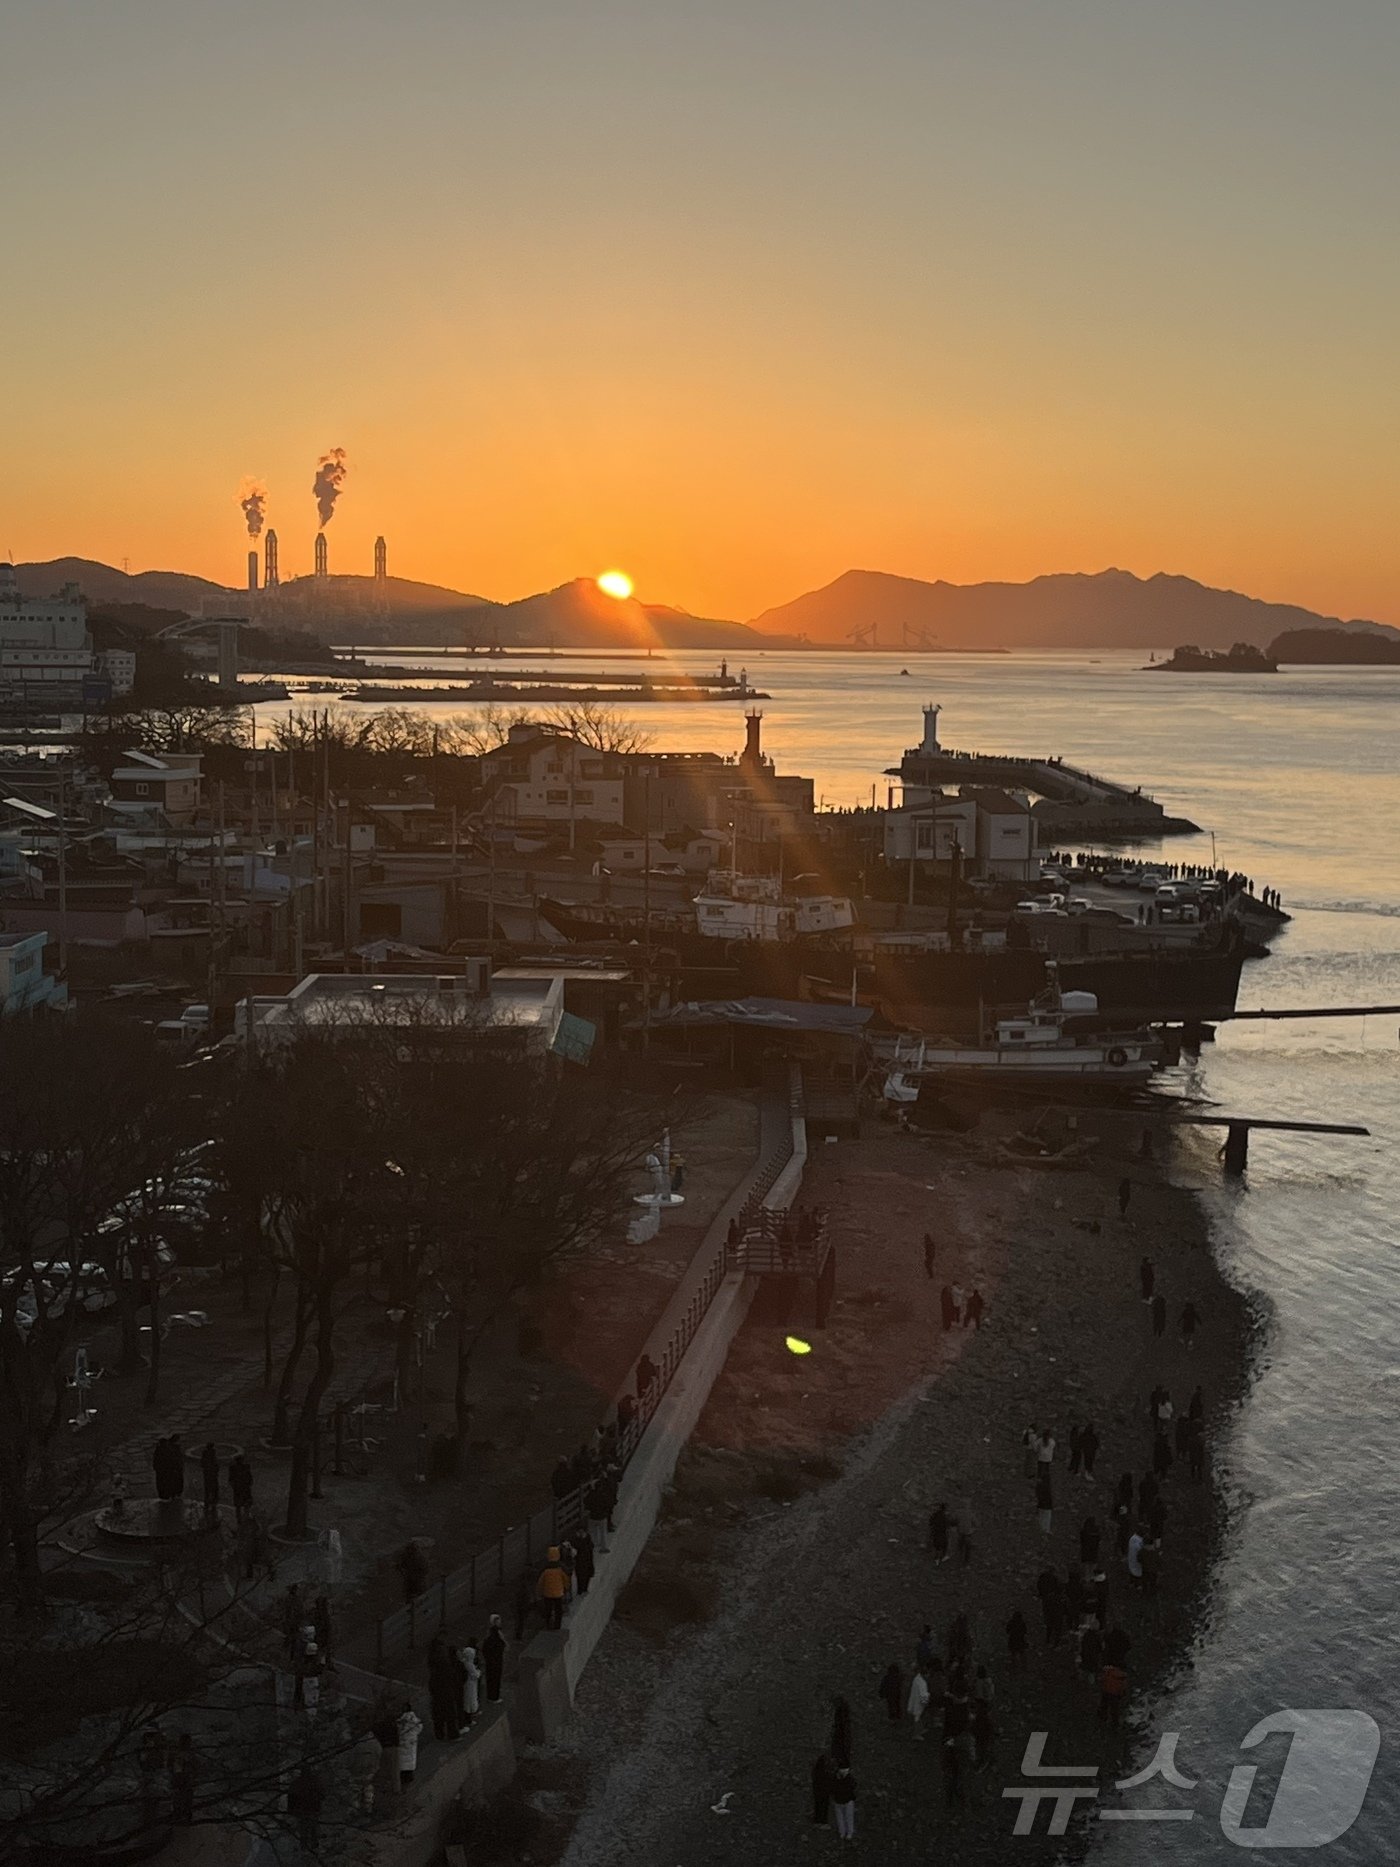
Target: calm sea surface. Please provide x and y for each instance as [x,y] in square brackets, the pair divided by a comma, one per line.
[1298,776]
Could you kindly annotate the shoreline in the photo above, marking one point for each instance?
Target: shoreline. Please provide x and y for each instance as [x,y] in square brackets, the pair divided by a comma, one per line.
[804,1596]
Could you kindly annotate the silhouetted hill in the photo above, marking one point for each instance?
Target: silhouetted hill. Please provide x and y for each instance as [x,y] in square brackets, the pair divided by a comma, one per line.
[100,583]
[1337,647]
[579,615]
[1110,609]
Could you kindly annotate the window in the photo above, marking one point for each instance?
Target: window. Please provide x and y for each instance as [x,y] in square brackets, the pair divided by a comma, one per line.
[923,835]
[583,797]
[143,790]
[556,797]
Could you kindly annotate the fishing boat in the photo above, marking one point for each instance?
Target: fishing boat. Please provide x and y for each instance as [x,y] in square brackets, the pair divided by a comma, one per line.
[1054,1046]
[756,907]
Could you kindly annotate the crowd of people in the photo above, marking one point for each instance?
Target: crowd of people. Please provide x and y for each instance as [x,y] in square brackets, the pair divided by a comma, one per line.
[947,1686]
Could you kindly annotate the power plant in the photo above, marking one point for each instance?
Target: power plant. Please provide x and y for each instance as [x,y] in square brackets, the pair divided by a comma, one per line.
[319,598]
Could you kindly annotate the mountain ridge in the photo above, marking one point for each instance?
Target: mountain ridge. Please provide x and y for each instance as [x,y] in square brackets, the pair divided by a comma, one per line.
[1061,609]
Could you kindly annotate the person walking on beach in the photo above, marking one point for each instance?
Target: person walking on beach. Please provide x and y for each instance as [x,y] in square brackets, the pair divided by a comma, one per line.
[1016,1639]
[843,1803]
[1044,1501]
[930,1251]
[919,1696]
[892,1690]
[1089,1449]
[947,1306]
[1147,1277]
[1125,1194]
[976,1309]
[1189,1318]
[957,1294]
[1159,1315]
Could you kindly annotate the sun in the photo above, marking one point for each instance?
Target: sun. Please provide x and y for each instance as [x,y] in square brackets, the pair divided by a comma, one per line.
[616,583]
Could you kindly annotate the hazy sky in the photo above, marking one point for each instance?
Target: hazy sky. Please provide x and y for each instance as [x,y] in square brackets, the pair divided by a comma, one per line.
[736,294]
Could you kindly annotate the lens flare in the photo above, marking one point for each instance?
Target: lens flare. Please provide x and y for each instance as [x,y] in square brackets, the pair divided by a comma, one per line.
[616,583]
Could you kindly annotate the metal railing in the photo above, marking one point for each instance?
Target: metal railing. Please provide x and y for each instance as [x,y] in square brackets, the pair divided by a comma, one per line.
[515,1552]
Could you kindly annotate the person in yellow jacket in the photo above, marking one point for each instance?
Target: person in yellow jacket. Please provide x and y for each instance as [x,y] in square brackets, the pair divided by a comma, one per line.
[552,1589]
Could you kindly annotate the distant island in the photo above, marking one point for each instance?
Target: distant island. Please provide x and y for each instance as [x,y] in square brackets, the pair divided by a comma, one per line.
[1336,647]
[1241,658]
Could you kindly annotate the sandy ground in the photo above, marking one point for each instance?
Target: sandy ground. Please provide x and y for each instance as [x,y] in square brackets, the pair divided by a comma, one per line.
[812,1595]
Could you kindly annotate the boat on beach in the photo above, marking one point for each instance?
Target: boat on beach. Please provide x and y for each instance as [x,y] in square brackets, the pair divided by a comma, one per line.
[1053,1046]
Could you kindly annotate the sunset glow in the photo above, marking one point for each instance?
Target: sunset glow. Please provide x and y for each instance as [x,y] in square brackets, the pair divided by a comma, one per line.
[616,583]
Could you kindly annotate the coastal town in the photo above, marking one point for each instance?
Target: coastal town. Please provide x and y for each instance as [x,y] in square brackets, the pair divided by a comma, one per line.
[442,1168]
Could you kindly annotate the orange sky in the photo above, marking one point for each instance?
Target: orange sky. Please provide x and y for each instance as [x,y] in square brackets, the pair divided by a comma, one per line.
[734,296]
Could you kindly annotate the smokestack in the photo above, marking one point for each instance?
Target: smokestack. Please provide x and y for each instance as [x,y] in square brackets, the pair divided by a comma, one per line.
[252,496]
[322,563]
[252,570]
[270,578]
[381,560]
[330,477]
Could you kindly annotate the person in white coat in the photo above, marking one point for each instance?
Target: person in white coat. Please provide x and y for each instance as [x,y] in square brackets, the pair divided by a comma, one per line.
[918,1696]
[409,1727]
[470,1676]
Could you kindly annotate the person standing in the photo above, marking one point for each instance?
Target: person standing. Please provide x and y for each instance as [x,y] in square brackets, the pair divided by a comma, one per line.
[1029,1442]
[1089,1449]
[595,1506]
[1044,1453]
[1113,1690]
[947,1306]
[1190,1316]
[1147,1277]
[209,1473]
[919,1696]
[552,1588]
[1044,1501]
[240,1484]
[1076,1448]
[1135,1557]
[1125,1194]
[443,1690]
[470,1663]
[583,1560]
[843,1803]
[957,1295]
[1159,1315]
[892,1690]
[493,1658]
[409,1726]
[1090,1537]
[976,1309]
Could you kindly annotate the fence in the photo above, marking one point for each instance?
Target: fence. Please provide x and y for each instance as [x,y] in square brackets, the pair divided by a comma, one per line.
[514,1553]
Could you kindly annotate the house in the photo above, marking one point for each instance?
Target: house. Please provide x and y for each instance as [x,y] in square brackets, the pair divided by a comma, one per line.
[24,985]
[540,776]
[993,831]
[930,830]
[169,786]
[1006,835]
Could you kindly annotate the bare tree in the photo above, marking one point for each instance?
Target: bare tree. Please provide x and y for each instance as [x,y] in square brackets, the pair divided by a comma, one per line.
[598,726]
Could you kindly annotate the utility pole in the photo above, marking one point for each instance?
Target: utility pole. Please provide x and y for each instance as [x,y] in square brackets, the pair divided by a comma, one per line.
[646,907]
[63,870]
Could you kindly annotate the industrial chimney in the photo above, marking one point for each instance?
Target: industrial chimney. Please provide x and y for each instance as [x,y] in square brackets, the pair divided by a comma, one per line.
[252,572]
[270,578]
[322,563]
